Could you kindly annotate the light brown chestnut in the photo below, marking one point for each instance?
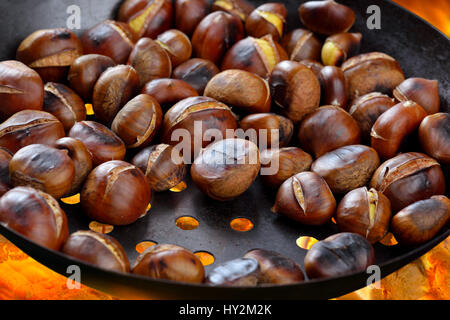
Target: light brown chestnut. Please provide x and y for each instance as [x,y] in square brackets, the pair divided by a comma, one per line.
[189,13]
[239,8]
[115,192]
[21,88]
[170,262]
[333,87]
[177,44]
[5,181]
[196,72]
[434,136]
[269,18]
[422,91]
[314,66]
[36,215]
[305,198]
[240,89]
[241,272]
[365,212]
[340,47]
[301,44]
[169,91]
[138,121]
[295,88]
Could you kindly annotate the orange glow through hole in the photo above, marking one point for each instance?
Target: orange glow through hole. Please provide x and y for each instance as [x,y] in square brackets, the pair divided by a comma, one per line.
[205,257]
[100,227]
[179,187]
[241,224]
[72,200]
[187,223]
[306,242]
[389,240]
[144,245]
[89,109]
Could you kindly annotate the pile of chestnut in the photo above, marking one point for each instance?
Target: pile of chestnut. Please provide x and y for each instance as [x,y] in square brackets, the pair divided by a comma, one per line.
[347,122]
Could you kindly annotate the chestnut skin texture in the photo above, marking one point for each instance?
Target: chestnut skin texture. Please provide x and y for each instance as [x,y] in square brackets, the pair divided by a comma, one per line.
[189,13]
[116,193]
[36,215]
[338,255]
[421,221]
[169,91]
[170,262]
[301,44]
[5,181]
[197,72]
[238,8]
[177,44]
[97,249]
[241,272]
[434,136]
[256,24]
[21,88]
[422,91]
[333,87]
[340,47]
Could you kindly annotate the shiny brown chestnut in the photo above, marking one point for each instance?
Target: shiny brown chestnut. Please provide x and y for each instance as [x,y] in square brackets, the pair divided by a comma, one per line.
[169,91]
[278,134]
[333,87]
[150,61]
[278,165]
[36,215]
[189,13]
[115,87]
[21,88]
[372,72]
[269,18]
[50,52]
[305,198]
[339,255]
[347,168]
[162,165]
[5,181]
[85,71]
[241,272]
[275,267]
[226,169]
[434,136]
[295,88]
[81,158]
[138,121]
[64,104]
[97,249]
[340,47]
[314,66]
[421,221]
[29,127]
[326,17]
[177,44]
[196,72]
[261,56]
[115,192]
[239,8]
[393,126]
[366,110]
[365,212]
[44,168]
[109,38]
[317,131]
[301,44]
[407,178]
[215,34]
[241,90]
[103,144]
[170,262]
[422,91]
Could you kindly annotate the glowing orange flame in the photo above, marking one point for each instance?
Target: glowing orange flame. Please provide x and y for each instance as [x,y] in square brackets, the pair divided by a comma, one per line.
[72,200]
[205,257]
[144,245]
[187,223]
[89,109]
[241,224]
[306,242]
[179,187]
[100,227]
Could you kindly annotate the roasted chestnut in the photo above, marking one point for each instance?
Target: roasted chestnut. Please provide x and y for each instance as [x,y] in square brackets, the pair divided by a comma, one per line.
[215,34]
[5,181]
[372,72]
[278,129]
[305,198]
[347,168]
[36,215]
[256,55]
[85,71]
[116,193]
[189,13]
[238,8]
[295,88]
[29,127]
[64,104]
[169,91]
[138,121]
[21,88]
[269,18]
[333,87]
[98,249]
[278,165]
[365,212]
[326,17]
[50,52]
[434,136]
[275,267]
[226,169]
[115,87]
[314,66]
[421,221]
[422,91]
[318,131]
[340,47]
[177,44]
[394,125]
[150,61]
[241,272]
[301,44]
[407,178]
[103,144]
[240,89]
[338,255]
[170,262]
[163,166]
[197,72]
